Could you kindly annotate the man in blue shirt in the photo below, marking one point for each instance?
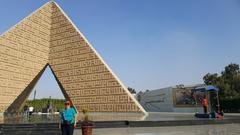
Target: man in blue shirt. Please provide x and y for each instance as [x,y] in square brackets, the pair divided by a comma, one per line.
[68,119]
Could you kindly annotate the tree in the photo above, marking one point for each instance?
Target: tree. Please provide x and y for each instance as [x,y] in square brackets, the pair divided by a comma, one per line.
[41,104]
[131,90]
[230,72]
[228,82]
[211,79]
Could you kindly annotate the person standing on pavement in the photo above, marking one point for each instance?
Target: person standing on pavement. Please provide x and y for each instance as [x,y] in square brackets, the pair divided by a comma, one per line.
[68,119]
[204,104]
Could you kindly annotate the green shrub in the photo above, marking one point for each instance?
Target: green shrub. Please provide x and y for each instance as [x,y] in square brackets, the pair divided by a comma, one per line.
[41,104]
[230,105]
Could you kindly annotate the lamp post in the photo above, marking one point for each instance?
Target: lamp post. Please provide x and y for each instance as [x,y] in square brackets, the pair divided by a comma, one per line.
[34,96]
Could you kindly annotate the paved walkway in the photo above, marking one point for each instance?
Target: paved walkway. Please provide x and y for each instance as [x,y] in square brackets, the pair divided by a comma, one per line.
[227,129]
[153,116]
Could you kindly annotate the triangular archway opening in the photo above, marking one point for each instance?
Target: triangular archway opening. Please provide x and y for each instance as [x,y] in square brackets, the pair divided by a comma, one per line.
[43,93]
[46,87]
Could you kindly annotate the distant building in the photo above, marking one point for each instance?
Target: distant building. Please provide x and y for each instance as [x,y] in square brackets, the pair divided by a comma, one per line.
[171,99]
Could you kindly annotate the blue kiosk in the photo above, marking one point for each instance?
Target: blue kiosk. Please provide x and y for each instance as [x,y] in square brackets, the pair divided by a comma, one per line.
[208,90]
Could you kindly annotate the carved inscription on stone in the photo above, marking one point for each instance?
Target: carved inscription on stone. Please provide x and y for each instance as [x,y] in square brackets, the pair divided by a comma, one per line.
[24,52]
[48,37]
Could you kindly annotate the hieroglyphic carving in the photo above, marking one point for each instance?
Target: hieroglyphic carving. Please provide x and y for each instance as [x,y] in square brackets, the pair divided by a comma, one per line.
[48,36]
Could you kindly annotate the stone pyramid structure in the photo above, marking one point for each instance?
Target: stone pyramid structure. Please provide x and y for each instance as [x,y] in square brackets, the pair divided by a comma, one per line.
[49,37]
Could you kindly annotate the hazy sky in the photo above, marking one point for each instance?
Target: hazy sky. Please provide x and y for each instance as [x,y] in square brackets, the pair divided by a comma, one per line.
[149,44]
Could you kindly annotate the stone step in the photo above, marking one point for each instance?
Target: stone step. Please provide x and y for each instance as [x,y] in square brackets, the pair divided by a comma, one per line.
[30,129]
[31,133]
[53,128]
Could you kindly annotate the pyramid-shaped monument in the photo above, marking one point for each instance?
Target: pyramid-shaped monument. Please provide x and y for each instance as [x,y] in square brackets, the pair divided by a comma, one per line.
[49,37]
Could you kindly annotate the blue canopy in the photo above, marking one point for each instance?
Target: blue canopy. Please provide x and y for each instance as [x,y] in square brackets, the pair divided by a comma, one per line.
[207,88]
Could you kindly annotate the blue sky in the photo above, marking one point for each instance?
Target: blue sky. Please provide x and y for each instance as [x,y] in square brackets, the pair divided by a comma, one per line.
[149,44]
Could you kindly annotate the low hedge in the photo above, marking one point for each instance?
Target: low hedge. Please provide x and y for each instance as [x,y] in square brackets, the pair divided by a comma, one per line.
[230,105]
[41,104]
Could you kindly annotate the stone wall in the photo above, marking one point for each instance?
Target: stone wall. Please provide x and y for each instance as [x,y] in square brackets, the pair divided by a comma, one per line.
[49,37]
[24,52]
